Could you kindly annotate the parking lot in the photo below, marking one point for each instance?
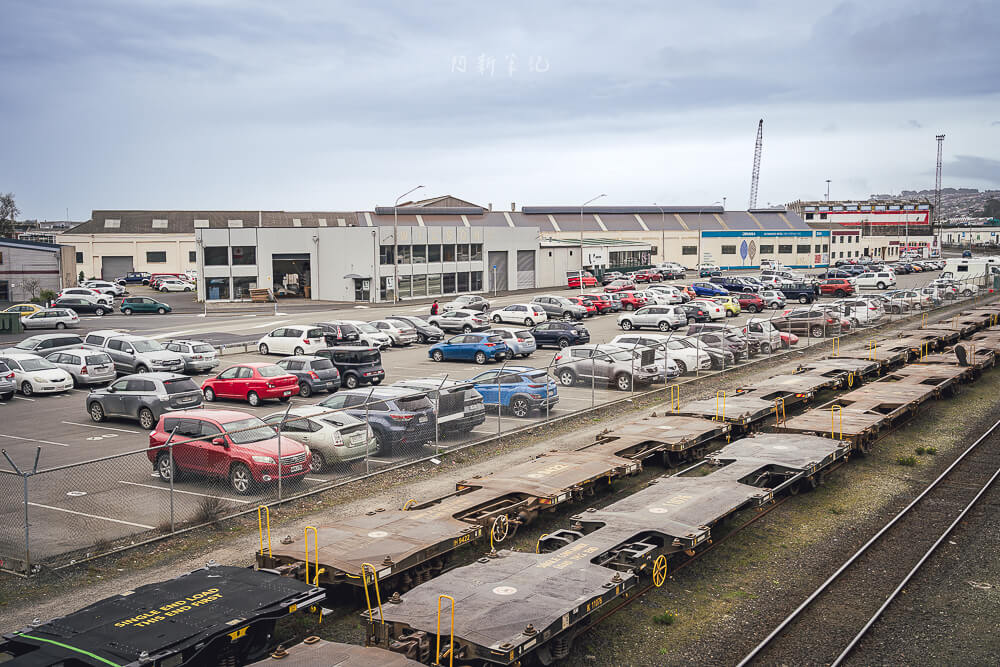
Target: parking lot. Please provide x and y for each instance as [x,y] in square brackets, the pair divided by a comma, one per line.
[98,484]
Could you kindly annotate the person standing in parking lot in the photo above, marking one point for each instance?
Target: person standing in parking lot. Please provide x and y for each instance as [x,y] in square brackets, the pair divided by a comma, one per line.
[434,307]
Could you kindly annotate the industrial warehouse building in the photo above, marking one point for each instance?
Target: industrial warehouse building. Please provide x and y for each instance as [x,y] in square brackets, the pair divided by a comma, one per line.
[29,267]
[879,228]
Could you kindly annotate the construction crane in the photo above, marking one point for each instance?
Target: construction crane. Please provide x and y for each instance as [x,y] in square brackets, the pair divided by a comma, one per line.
[756,165]
[937,178]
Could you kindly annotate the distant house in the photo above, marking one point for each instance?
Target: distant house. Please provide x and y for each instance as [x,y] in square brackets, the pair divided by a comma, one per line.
[28,267]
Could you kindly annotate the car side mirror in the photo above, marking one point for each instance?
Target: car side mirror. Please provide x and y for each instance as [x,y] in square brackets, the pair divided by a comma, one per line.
[219,441]
[111,390]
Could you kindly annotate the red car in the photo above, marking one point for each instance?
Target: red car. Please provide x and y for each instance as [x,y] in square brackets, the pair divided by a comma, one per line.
[252,382]
[750,302]
[229,444]
[619,285]
[630,300]
[838,287]
[602,302]
[573,279]
[586,303]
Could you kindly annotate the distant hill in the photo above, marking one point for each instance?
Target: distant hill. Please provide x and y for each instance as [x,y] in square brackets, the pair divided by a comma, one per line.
[955,202]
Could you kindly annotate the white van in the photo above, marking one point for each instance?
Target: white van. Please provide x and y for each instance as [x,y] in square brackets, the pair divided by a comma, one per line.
[876,279]
[967,267]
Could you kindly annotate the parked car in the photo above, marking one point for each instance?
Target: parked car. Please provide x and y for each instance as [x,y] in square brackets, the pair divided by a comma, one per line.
[134,278]
[618,285]
[609,277]
[528,314]
[372,336]
[22,309]
[723,340]
[517,389]
[767,336]
[560,334]
[143,304]
[226,444]
[575,278]
[750,301]
[138,354]
[520,342]
[559,306]
[80,305]
[468,302]
[51,318]
[664,318]
[730,304]
[43,344]
[426,332]
[254,382]
[629,299]
[85,366]
[174,285]
[144,398]
[458,406]
[732,283]
[721,359]
[696,313]
[652,297]
[707,270]
[814,322]
[671,293]
[621,367]
[465,321]
[36,375]
[801,292]
[315,374]
[400,333]
[685,355]
[838,287]
[105,287]
[332,437]
[603,302]
[586,304]
[7,386]
[88,294]
[292,339]
[478,347]
[399,417]
[339,333]
[708,289]
[879,280]
[715,311]
[198,356]
[357,364]
[773,298]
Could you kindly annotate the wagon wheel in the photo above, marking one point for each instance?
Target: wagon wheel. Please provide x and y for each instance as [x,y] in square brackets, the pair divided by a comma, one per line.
[500,530]
[659,570]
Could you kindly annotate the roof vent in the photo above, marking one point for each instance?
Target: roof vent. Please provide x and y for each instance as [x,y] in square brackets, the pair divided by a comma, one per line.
[112,224]
[160,224]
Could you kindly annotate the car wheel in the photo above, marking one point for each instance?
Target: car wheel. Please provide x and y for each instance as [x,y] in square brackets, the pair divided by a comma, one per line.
[437,355]
[626,325]
[681,366]
[163,289]
[803,299]
[382,444]
[351,381]
[751,308]
[305,391]
[27,389]
[563,343]
[421,338]
[96,412]
[967,292]
[528,322]
[692,320]
[240,479]
[209,394]
[730,313]
[567,315]
[567,377]
[881,285]
[161,311]
[298,351]
[262,348]
[496,318]
[765,348]
[99,312]
[164,469]
[187,289]
[127,311]
[467,329]
[60,325]
[816,331]
[318,462]
[519,407]
[664,326]
[480,358]
[623,382]
[253,398]
[839,294]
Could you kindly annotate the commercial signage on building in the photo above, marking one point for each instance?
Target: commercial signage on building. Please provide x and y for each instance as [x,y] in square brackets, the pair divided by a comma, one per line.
[766,233]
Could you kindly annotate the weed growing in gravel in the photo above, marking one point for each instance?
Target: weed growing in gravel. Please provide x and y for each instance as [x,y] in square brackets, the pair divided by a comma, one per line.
[666,618]
[931,450]
[907,460]
[920,451]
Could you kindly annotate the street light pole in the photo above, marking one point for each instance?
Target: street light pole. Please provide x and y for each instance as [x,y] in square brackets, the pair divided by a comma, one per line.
[589,201]
[700,211]
[828,189]
[663,232]
[395,244]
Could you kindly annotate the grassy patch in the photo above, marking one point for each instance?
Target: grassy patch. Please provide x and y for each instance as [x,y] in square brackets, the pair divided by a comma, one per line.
[668,617]
[906,461]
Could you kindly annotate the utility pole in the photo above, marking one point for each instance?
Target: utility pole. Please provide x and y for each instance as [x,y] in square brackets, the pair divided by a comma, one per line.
[828,189]
[589,201]
[937,179]
[755,177]
[395,244]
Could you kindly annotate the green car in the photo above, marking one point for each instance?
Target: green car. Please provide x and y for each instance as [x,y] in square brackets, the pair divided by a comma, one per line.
[143,304]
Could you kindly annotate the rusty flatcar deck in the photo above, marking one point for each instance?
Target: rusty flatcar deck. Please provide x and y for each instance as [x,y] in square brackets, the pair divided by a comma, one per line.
[792,389]
[740,411]
[840,368]
[978,357]
[937,335]
[987,338]
[675,437]
[334,654]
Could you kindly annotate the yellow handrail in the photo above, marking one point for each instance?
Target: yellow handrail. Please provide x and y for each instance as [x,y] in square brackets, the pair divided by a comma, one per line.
[778,421]
[315,550]
[538,544]
[923,320]
[720,414]
[833,421]
[675,398]
[451,646]
[659,570]
[378,596]
[499,530]
[407,504]
[873,348]
[836,346]
[260,528]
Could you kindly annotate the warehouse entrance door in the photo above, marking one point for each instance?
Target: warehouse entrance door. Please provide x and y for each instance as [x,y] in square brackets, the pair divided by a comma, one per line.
[497,269]
[115,267]
[292,275]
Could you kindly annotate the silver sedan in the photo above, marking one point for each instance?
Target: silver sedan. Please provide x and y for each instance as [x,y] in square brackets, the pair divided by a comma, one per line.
[332,436]
[51,318]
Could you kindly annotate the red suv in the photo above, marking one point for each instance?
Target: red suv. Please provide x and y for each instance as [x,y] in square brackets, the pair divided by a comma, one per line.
[584,303]
[573,279]
[602,302]
[229,444]
[619,285]
[253,382]
[838,287]
[630,300]
[750,302]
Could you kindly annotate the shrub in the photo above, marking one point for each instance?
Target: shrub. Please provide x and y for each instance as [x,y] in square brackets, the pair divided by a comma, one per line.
[666,618]
[209,510]
[907,460]
[79,278]
[920,451]
[47,295]
[931,450]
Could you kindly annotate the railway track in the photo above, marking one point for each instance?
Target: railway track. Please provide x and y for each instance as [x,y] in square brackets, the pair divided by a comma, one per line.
[833,621]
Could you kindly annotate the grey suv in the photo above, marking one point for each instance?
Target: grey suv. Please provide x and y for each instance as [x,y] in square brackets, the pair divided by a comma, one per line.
[664,318]
[315,374]
[144,397]
[7,386]
[559,306]
[198,356]
[621,367]
[138,354]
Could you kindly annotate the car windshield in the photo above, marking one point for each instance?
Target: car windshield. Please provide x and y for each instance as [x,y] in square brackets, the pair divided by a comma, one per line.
[36,364]
[28,343]
[414,403]
[321,365]
[142,345]
[202,347]
[180,385]
[97,359]
[367,328]
[271,371]
[252,429]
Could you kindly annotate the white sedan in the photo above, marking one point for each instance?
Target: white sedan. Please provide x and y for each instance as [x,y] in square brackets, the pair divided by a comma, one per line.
[528,314]
[656,298]
[714,310]
[33,374]
[671,293]
[175,285]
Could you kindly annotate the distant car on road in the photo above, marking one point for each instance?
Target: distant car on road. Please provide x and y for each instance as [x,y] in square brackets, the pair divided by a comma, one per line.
[143,304]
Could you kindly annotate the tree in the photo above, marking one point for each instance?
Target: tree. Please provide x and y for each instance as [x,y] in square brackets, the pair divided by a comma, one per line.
[31,286]
[8,214]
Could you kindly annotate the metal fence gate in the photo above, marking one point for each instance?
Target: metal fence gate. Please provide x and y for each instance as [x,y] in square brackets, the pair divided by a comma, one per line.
[525,269]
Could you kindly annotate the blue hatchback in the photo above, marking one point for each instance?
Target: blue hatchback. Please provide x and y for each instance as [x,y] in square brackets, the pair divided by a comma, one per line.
[518,389]
[478,347]
[709,289]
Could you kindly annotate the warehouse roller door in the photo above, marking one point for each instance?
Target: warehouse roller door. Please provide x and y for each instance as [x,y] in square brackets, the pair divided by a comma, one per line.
[115,267]
[525,269]
[497,270]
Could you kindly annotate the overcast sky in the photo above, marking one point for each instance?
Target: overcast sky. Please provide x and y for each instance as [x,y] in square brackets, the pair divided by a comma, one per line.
[217,104]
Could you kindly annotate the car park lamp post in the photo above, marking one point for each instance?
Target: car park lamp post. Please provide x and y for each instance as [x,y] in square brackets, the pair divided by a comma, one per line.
[700,211]
[589,201]
[395,244]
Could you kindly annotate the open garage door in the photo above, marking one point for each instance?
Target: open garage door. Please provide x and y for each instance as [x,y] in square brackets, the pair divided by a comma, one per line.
[292,275]
[497,269]
[115,267]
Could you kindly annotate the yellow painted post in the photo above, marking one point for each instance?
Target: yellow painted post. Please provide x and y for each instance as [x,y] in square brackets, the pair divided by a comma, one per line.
[260,528]
[720,405]
[451,646]
[378,596]
[779,419]
[923,320]
[833,422]
[675,398]
[850,379]
[315,549]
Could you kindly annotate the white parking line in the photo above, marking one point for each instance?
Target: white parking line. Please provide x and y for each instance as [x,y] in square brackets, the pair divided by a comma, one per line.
[190,493]
[106,428]
[92,516]
[22,398]
[44,442]
[172,334]
[269,324]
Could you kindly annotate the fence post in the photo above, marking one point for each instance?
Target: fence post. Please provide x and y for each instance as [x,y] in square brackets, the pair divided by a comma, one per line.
[27,526]
[283,420]
[499,402]
[437,415]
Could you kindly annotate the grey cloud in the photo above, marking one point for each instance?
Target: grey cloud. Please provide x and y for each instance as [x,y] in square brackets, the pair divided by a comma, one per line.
[914,124]
[972,167]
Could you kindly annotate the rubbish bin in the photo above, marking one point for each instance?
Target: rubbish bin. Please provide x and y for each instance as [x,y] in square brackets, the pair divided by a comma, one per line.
[10,323]
[308,291]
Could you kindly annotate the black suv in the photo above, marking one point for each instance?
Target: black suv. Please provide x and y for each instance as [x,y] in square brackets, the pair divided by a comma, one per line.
[560,334]
[339,333]
[314,373]
[358,365]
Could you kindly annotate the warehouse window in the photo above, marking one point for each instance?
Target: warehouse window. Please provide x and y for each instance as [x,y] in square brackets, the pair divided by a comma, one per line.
[728,250]
[448,282]
[192,256]
[404,257]
[476,281]
[463,253]
[156,257]
[689,250]
[244,255]
[434,253]
[385,254]
[767,250]
[448,252]
[79,258]
[477,252]
[785,249]
[826,248]
[419,256]
[802,248]
[818,246]
[217,256]
[809,216]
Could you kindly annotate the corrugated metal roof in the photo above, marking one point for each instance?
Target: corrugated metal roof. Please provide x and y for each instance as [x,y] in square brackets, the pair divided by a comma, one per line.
[611,210]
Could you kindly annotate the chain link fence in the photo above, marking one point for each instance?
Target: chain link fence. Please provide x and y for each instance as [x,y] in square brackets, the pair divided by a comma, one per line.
[200,471]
